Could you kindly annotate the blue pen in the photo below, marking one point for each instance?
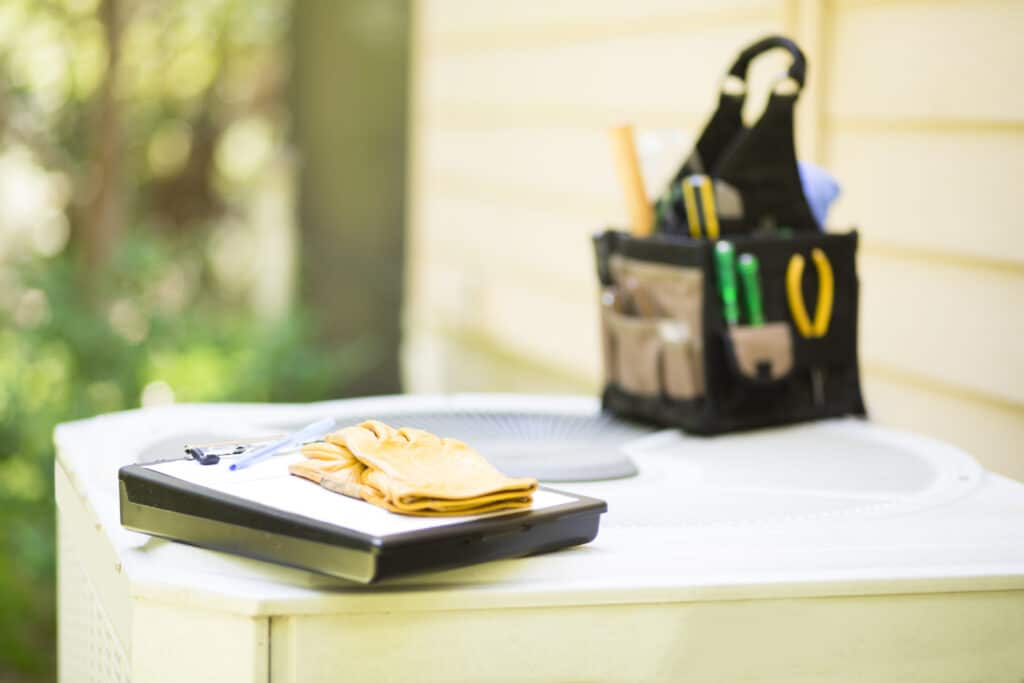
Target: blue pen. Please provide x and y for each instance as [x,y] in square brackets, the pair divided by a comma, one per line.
[309,433]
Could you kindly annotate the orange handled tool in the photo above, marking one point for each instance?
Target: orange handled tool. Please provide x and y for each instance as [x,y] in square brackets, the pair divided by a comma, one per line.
[641,214]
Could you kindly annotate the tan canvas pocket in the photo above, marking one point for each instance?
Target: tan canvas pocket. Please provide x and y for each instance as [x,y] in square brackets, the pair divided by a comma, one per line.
[657,290]
[763,353]
[610,303]
[635,351]
[681,375]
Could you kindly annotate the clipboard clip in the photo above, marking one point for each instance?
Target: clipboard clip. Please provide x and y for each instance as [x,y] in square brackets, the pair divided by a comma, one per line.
[211,453]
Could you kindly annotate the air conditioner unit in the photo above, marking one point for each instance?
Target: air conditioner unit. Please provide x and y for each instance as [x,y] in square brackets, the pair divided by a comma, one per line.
[838,550]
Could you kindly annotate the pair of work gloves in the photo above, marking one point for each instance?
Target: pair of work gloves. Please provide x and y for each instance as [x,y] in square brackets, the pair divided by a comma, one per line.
[411,471]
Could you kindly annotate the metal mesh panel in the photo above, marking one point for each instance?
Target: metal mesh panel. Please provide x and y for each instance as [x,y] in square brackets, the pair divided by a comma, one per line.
[550,446]
[88,649]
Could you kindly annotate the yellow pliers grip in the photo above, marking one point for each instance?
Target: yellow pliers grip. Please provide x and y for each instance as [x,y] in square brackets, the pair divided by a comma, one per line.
[826,294]
[795,295]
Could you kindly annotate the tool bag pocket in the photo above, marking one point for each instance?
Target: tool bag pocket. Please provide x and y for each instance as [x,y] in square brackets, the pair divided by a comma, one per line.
[761,354]
[635,353]
[648,357]
[672,359]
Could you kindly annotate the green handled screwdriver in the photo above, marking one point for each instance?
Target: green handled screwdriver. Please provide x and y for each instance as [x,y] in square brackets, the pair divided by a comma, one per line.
[748,267]
[725,264]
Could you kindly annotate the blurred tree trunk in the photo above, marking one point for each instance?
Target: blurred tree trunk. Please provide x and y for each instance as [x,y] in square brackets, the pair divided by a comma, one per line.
[350,77]
[102,214]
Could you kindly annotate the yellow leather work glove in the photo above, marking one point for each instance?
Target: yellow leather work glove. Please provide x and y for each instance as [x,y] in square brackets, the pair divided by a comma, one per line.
[411,471]
[331,466]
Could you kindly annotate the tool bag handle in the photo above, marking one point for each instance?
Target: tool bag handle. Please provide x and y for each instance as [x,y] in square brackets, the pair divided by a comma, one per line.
[726,121]
[797,69]
[760,161]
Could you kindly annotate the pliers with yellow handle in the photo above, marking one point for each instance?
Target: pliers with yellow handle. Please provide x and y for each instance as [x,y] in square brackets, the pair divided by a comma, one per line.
[818,327]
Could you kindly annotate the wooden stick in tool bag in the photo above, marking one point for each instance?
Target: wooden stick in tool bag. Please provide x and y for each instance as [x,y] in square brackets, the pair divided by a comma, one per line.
[641,215]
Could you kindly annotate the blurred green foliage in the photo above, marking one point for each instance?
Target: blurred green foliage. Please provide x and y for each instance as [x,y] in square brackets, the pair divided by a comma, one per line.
[63,361]
[181,141]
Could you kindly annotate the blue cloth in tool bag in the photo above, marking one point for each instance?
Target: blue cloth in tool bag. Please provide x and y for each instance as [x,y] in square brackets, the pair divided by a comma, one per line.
[671,356]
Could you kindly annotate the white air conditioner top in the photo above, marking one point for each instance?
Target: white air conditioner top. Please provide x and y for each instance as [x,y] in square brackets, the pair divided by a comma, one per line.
[834,508]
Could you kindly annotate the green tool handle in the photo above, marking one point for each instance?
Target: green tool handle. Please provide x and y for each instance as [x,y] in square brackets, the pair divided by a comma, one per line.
[748,267]
[725,265]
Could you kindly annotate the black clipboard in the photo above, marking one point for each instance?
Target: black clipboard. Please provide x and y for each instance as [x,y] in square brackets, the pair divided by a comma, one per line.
[157,503]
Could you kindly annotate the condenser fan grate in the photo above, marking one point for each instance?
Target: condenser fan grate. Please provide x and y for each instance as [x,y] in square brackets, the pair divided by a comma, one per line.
[548,446]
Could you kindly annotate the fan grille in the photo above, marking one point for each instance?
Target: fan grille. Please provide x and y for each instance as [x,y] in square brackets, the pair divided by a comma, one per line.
[523,426]
[548,446]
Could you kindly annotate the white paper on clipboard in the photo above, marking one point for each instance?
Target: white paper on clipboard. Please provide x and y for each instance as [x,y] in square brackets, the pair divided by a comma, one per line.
[269,483]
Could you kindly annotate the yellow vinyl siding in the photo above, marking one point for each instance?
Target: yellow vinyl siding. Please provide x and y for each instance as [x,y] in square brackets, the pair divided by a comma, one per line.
[916,106]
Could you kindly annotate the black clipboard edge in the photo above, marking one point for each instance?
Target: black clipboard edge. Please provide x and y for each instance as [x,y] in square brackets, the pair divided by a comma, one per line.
[144,486]
[162,505]
[326,558]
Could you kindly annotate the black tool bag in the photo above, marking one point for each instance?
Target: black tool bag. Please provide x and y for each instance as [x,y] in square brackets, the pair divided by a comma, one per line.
[671,358]
[754,170]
